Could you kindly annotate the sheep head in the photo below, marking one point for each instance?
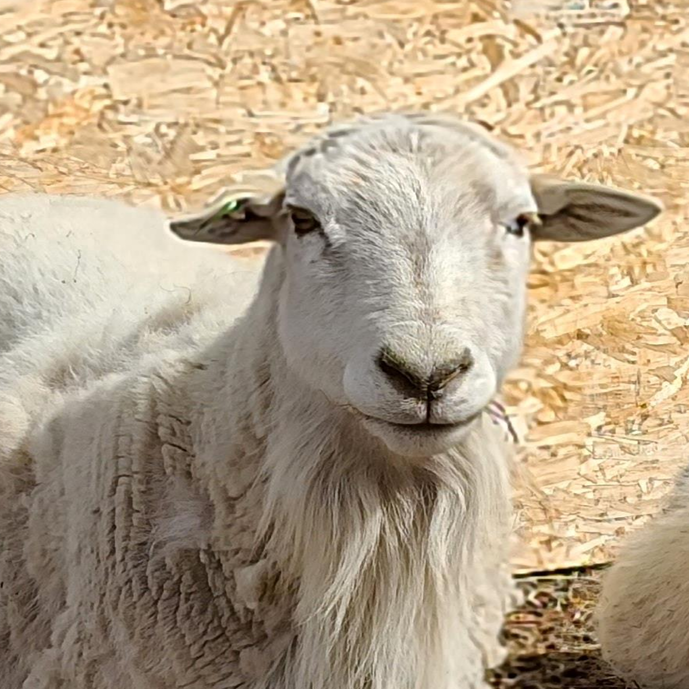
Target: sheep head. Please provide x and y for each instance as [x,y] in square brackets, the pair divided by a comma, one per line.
[406,246]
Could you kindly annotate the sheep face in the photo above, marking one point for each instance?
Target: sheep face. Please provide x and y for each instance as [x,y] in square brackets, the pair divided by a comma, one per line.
[406,266]
[406,245]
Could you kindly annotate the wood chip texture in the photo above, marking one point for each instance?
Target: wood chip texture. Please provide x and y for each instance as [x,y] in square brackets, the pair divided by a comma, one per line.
[167,101]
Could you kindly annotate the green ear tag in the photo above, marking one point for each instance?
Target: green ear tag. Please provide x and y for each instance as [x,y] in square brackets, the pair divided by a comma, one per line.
[229,208]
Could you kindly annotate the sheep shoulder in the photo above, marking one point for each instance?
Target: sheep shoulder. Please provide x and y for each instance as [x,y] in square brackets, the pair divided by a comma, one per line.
[108,502]
[136,536]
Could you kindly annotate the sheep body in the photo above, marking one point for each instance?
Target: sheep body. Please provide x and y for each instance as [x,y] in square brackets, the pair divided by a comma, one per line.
[643,616]
[130,552]
[85,321]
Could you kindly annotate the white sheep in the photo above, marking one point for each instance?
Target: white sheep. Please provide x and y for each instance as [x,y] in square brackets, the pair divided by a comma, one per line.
[307,496]
[643,615]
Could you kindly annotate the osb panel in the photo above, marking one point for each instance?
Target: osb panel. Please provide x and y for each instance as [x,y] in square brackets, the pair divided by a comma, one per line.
[167,101]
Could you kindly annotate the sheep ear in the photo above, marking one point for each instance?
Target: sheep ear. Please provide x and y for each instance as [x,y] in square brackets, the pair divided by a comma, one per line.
[577,212]
[232,218]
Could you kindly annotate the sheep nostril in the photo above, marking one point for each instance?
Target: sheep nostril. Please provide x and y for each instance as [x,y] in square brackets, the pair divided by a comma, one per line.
[400,372]
[407,377]
[443,374]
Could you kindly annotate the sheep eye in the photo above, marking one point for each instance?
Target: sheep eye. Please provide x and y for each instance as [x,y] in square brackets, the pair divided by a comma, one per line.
[522,223]
[304,221]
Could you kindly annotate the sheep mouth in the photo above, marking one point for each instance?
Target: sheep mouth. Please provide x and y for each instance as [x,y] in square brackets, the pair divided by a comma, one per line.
[419,440]
[426,427]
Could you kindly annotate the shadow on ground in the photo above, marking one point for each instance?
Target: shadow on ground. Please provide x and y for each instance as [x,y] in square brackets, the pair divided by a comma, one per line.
[550,638]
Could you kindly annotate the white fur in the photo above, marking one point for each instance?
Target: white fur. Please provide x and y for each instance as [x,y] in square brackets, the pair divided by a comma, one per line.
[190,497]
[643,617]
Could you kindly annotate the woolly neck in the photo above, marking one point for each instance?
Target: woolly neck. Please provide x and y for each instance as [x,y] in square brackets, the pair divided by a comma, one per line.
[383,552]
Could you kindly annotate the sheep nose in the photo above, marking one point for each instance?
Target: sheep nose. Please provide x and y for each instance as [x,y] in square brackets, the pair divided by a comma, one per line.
[409,379]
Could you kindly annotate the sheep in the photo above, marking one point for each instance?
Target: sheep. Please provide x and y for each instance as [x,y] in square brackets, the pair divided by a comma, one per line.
[643,613]
[283,478]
